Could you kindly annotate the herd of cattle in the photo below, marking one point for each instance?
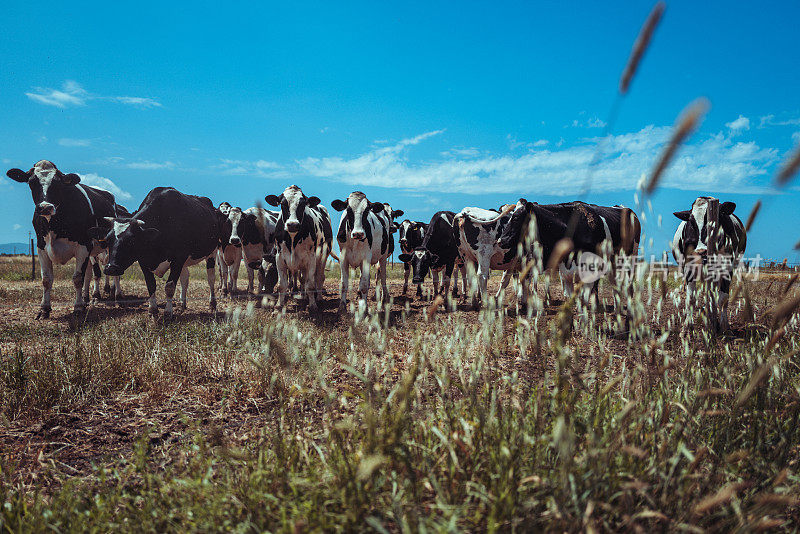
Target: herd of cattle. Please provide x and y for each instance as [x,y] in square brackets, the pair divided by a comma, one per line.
[170,231]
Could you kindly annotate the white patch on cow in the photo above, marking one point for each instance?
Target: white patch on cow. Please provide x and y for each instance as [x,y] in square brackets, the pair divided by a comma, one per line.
[419,253]
[699,210]
[448,221]
[235,217]
[120,227]
[82,189]
[293,195]
[60,249]
[479,214]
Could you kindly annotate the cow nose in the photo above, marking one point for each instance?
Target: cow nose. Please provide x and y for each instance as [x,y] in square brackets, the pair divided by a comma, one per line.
[113,270]
[292,227]
[403,242]
[357,235]
[701,251]
[235,241]
[46,209]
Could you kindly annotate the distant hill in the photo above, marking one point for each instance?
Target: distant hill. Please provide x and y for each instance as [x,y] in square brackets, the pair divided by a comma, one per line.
[15,248]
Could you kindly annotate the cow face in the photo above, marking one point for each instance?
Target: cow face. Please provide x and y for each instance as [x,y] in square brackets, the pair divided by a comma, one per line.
[236,220]
[422,261]
[47,185]
[127,241]
[706,218]
[411,233]
[392,215]
[518,223]
[358,208]
[293,205]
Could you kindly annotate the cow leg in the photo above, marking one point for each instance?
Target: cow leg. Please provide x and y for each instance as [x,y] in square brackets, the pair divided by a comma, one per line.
[184,286]
[310,287]
[722,306]
[435,278]
[46,267]
[363,283]
[176,269]
[406,271]
[80,279]
[504,283]
[212,298]
[382,274]
[448,273]
[116,288]
[344,283]
[283,282]
[98,274]
[250,276]
[234,272]
[223,274]
[150,281]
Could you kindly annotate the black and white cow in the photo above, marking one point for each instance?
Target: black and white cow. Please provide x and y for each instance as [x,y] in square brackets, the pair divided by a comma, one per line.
[170,231]
[65,212]
[437,252]
[710,240]
[254,231]
[411,234]
[591,228]
[229,254]
[479,243]
[304,239]
[364,239]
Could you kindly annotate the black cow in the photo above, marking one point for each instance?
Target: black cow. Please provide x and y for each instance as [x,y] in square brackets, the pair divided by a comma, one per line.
[591,228]
[438,251]
[65,212]
[710,236]
[304,240]
[411,234]
[170,231]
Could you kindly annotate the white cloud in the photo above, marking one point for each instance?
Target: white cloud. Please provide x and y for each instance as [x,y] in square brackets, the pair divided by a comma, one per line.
[72,94]
[592,122]
[16,227]
[770,120]
[796,137]
[65,141]
[739,125]
[100,182]
[715,163]
[541,142]
[259,168]
[150,165]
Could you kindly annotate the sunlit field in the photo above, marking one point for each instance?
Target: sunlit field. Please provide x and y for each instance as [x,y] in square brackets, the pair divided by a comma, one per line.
[397,419]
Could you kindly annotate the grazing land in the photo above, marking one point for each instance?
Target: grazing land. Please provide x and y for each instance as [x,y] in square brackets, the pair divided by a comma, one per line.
[251,419]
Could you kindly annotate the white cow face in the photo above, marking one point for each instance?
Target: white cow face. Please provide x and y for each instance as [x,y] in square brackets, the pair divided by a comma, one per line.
[235,218]
[358,208]
[293,205]
[701,221]
[47,185]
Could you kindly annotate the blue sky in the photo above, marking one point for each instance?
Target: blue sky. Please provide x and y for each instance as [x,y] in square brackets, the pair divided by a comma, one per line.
[424,105]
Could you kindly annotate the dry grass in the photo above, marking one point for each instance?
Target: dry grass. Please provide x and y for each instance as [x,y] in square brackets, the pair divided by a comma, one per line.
[416,416]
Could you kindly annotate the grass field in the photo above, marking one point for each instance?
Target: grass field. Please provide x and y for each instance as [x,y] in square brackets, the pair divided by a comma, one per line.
[404,419]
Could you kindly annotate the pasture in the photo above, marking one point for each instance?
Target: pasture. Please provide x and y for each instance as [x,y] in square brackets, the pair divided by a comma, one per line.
[403,419]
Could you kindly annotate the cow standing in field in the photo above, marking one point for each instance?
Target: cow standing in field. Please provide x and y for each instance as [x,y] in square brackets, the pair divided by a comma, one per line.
[709,237]
[411,234]
[365,239]
[254,231]
[591,229]
[304,239]
[170,231]
[479,235]
[437,252]
[229,254]
[65,212]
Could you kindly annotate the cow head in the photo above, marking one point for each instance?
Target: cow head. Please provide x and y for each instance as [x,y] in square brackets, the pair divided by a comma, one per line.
[392,214]
[422,261]
[47,185]
[293,205]
[517,225]
[358,208]
[706,221]
[127,241]
[411,233]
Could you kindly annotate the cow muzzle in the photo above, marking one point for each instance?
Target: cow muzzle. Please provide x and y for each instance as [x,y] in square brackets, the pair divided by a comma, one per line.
[45,209]
[235,241]
[113,270]
[292,227]
[361,236]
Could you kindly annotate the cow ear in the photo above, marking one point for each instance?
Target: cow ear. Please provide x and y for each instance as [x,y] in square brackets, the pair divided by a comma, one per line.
[313,201]
[727,208]
[71,178]
[273,200]
[18,175]
[376,207]
[404,257]
[98,232]
[398,213]
[339,205]
[683,215]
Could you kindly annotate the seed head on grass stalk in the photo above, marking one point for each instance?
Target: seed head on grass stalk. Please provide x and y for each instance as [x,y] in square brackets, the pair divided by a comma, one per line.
[688,121]
[789,168]
[640,46]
